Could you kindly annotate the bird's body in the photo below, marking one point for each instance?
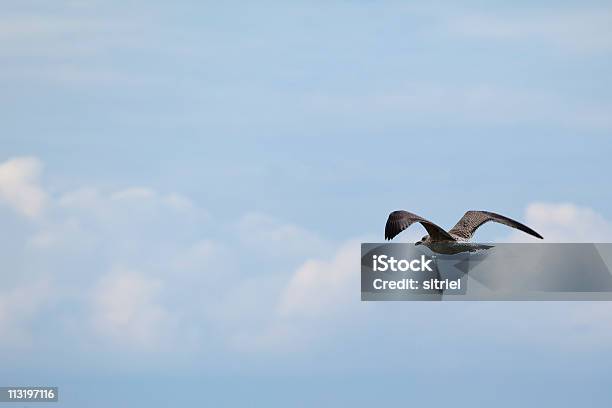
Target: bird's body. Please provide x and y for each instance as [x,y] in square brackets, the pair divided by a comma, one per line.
[461,232]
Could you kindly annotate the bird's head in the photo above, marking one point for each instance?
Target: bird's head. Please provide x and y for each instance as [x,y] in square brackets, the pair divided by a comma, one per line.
[422,240]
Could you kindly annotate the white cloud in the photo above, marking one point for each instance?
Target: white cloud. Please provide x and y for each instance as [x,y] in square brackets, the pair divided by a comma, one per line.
[125,308]
[19,186]
[83,198]
[271,236]
[111,219]
[319,287]
[85,232]
[63,234]
[160,239]
[306,309]
[179,202]
[565,222]
[19,306]
[209,262]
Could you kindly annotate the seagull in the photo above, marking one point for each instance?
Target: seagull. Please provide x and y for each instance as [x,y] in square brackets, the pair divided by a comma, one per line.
[461,232]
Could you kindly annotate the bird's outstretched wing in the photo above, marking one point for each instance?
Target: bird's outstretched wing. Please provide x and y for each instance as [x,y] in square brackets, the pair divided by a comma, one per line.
[400,220]
[471,220]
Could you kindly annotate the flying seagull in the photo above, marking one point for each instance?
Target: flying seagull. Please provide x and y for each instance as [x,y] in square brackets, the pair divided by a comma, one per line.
[461,232]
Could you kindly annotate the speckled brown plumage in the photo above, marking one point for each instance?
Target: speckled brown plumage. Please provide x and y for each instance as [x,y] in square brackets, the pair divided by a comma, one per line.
[462,231]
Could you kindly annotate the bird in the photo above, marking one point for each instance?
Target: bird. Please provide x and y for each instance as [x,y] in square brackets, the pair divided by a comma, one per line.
[461,232]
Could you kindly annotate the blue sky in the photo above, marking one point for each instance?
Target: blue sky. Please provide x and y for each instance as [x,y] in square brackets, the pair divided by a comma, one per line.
[183,188]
